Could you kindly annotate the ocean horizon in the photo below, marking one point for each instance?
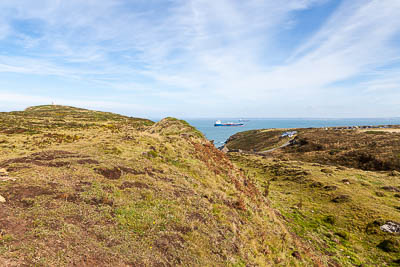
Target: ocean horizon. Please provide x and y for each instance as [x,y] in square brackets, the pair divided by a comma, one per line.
[220,134]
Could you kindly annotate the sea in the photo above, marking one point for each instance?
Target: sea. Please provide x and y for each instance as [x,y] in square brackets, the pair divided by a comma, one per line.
[220,134]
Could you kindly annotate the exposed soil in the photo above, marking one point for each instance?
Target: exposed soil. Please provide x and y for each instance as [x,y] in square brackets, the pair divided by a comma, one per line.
[112,174]
[42,159]
[17,193]
[87,161]
[12,225]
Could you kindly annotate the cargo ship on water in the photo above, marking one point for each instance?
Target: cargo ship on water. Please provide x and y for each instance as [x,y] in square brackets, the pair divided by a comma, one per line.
[219,123]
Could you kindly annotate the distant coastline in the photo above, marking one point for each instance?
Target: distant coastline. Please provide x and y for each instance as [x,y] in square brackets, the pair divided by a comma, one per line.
[220,135]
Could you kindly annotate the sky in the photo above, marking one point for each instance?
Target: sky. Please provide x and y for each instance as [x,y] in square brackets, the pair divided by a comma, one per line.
[203,58]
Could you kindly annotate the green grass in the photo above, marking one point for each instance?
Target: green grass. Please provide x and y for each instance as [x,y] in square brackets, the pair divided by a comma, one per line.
[337,230]
[101,189]
[370,150]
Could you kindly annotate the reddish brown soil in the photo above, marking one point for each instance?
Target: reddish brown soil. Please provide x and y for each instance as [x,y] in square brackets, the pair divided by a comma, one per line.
[112,174]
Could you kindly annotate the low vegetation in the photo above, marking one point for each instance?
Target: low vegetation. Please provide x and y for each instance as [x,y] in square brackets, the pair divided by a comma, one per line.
[87,188]
[337,189]
[255,140]
[366,150]
[339,211]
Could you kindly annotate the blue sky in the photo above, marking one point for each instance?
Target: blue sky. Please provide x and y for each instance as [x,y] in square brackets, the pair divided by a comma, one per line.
[203,58]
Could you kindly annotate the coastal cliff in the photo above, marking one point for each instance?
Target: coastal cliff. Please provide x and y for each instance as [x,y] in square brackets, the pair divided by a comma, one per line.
[337,188]
[88,188]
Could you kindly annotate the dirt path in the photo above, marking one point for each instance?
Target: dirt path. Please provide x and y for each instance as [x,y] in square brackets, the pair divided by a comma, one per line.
[273,149]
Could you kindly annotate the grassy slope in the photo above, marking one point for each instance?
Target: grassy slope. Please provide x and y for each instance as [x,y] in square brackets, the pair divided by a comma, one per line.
[367,150]
[102,189]
[256,140]
[346,233]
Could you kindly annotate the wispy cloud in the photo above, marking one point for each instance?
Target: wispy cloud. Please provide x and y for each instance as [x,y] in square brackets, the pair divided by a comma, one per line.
[203,57]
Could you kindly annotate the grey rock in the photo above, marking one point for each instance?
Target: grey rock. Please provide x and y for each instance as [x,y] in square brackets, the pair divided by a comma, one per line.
[391,227]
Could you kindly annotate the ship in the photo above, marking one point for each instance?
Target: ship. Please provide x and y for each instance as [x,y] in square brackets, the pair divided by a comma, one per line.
[219,123]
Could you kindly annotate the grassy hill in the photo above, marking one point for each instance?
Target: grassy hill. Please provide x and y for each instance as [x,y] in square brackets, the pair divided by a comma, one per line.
[339,211]
[88,188]
[334,188]
[374,149]
[256,140]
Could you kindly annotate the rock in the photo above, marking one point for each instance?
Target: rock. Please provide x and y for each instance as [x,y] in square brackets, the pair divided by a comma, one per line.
[341,199]
[391,227]
[346,181]
[2,199]
[394,173]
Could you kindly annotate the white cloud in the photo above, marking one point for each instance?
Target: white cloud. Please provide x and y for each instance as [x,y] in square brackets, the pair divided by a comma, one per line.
[199,52]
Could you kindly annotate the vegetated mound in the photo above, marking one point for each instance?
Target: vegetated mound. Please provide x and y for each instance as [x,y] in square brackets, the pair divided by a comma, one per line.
[171,126]
[371,150]
[255,140]
[367,150]
[36,119]
[121,195]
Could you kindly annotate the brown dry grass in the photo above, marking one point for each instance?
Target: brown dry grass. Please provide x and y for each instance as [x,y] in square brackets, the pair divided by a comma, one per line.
[338,210]
[128,192]
[367,150]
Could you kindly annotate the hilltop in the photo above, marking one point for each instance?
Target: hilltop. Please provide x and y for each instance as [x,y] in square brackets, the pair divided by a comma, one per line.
[89,188]
[38,119]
